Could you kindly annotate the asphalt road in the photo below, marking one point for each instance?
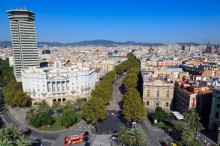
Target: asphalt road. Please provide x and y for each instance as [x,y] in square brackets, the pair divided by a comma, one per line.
[154,136]
[113,121]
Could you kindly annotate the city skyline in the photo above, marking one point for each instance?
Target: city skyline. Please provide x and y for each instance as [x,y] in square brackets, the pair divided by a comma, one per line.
[140,21]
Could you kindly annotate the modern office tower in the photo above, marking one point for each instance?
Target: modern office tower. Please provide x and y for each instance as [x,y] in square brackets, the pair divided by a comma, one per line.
[183,47]
[24,43]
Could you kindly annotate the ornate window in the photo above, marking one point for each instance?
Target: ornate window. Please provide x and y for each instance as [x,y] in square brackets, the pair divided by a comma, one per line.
[158,93]
[147,102]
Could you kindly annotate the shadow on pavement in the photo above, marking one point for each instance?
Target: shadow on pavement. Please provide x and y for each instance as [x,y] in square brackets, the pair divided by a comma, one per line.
[210,134]
[122,89]
[120,105]
[2,123]
[37,142]
[111,123]
[27,133]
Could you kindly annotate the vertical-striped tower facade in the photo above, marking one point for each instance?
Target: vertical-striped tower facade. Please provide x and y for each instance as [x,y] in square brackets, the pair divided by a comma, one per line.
[24,43]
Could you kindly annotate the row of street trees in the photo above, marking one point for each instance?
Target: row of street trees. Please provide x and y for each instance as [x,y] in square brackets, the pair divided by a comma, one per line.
[95,108]
[133,105]
[13,93]
[126,65]
[9,137]
[188,133]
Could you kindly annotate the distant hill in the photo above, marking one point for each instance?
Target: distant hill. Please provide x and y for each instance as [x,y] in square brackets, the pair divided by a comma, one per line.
[110,43]
[107,43]
[189,44]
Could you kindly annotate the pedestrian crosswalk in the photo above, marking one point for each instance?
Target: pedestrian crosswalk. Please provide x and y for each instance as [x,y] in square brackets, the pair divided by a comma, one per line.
[22,128]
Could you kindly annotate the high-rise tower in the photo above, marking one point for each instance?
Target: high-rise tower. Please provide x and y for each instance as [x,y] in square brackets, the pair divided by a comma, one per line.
[24,43]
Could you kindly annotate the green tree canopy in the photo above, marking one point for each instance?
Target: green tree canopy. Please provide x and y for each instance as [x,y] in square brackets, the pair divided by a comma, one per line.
[131,137]
[160,115]
[43,106]
[130,81]
[41,119]
[130,111]
[7,135]
[192,117]
[94,110]
[6,142]
[30,113]
[133,70]
[68,118]
[14,94]
[6,72]
[124,135]
[56,107]
[23,141]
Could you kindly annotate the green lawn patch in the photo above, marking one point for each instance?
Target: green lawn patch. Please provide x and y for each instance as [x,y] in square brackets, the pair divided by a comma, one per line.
[55,127]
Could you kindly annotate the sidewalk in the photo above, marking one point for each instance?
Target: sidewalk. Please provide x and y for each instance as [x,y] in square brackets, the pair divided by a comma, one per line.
[19,114]
[102,140]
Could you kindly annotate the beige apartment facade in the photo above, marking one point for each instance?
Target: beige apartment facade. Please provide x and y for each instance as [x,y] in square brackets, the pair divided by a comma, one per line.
[107,65]
[157,92]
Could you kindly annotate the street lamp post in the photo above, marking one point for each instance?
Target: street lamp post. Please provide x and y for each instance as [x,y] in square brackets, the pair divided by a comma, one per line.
[155,122]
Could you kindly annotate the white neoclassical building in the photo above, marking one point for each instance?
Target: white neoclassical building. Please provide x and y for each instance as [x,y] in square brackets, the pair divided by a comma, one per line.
[58,83]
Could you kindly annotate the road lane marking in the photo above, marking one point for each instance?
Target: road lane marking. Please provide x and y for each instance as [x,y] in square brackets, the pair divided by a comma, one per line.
[42,139]
[4,120]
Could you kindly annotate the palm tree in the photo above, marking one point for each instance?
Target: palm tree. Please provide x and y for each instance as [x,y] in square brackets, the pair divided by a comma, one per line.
[6,143]
[124,135]
[136,138]
[30,113]
[23,141]
[179,127]
[43,106]
[193,118]
[11,131]
[3,134]
[196,125]
[187,135]
[189,115]
[79,103]
[68,104]
[56,107]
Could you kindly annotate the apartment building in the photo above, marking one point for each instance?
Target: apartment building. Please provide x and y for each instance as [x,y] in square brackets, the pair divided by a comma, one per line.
[157,92]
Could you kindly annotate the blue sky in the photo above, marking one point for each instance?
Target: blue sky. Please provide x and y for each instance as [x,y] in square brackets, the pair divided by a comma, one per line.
[164,21]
